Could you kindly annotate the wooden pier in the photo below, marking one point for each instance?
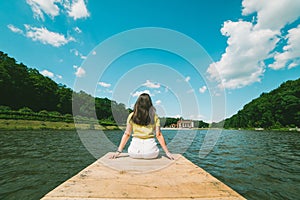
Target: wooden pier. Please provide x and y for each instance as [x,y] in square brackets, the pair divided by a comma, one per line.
[126,178]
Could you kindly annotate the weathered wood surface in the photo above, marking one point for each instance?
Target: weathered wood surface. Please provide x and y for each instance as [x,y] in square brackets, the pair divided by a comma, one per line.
[127,178]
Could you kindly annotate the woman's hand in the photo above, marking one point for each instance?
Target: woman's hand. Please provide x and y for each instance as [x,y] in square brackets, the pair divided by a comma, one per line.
[170,156]
[115,155]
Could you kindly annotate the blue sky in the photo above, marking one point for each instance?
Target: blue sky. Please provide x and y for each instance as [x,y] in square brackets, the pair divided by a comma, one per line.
[248,47]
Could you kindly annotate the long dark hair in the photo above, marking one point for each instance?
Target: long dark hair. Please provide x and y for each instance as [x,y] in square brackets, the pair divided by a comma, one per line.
[143,112]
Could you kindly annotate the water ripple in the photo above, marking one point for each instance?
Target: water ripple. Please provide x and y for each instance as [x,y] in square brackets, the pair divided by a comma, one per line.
[258,165]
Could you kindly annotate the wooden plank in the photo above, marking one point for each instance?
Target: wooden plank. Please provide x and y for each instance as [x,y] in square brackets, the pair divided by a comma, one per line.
[127,178]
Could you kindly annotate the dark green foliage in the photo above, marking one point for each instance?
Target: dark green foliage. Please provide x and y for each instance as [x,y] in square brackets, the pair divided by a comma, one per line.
[5,108]
[23,87]
[168,121]
[119,112]
[39,97]
[277,109]
[64,99]
[83,105]
[27,114]
[202,124]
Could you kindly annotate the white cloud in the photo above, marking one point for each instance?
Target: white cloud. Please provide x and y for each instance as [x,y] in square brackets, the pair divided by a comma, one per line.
[251,43]
[242,62]
[166,89]
[190,91]
[157,91]
[80,72]
[294,64]
[290,56]
[187,79]
[59,76]
[103,84]
[158,102]
[196,117]
[200,117]
[83,57]
[216,94]
[50,74]
[202,89]
[45,36]
[77,9]
[77,53]
[39,7]
[176,116]
[74,8]
[78,30]
[94,53]
[149,84]
[47,73]
[75,66]
[272,15]
[138,93]
[14,29]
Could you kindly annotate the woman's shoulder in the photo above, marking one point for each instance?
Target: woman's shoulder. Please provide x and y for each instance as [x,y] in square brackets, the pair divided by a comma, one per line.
[130,114]
[156,117]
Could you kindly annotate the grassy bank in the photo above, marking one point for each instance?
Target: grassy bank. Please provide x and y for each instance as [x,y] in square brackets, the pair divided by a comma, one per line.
[8,124]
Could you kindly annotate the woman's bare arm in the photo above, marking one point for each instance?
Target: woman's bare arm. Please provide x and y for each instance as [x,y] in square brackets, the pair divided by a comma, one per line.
[124,140]
[162,142]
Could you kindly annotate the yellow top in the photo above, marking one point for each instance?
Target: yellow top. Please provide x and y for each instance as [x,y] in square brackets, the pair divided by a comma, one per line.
[143,132]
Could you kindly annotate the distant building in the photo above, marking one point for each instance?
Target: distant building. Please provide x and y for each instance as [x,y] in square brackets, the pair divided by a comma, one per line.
[173,126]
[185,124]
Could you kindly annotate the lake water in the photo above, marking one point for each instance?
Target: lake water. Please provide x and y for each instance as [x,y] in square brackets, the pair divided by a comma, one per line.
[258,165]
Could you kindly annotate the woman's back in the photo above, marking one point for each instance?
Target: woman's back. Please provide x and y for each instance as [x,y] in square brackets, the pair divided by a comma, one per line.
[143,131]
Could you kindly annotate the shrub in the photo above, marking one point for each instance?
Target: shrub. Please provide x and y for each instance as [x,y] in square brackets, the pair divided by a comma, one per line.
[25,110]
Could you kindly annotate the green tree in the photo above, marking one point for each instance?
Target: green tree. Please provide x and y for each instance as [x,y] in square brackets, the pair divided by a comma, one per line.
[64,99]
[278,108]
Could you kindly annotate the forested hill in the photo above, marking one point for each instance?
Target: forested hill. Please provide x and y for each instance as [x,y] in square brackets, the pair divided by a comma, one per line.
[21,87]
[277,109]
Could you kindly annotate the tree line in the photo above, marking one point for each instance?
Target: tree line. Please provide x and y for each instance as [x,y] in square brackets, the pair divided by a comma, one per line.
[279,108]
[27,94]
[24,91]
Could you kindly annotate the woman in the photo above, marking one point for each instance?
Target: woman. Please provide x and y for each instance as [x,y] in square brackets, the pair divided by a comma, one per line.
[144,123]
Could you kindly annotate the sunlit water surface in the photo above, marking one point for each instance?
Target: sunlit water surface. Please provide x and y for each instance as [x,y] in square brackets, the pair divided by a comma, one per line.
[258,165]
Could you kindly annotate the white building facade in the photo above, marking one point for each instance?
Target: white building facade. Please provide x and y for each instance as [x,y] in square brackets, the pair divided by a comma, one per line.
[185,124]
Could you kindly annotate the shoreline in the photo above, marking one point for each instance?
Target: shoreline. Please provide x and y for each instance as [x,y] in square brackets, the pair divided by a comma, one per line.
[166,128]
[20,124]
[12,124]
